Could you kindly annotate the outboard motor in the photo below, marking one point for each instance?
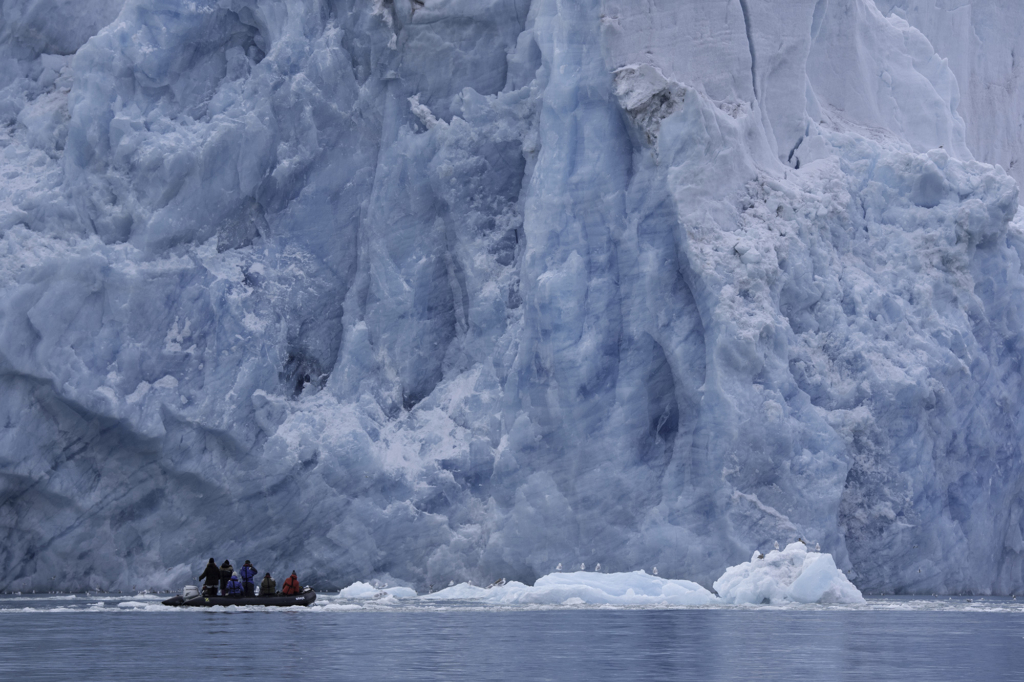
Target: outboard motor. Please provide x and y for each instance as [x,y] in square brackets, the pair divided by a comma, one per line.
[190,592]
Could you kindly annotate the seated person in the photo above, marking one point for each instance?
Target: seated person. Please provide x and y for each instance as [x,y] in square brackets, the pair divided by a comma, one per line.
[291,585]
[268,588]
[234,587]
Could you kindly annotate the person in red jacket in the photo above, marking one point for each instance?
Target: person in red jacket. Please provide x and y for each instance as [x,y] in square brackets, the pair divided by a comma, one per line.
[291,585]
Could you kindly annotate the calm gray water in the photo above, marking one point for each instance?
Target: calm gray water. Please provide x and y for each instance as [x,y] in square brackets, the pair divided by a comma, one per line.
[64,638]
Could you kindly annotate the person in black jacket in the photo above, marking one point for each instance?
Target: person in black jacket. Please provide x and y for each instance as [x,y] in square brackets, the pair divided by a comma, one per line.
[225,574]
[268,588]
[212,576]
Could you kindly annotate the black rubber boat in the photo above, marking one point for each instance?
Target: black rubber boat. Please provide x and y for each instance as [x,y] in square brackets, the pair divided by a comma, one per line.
[304,599]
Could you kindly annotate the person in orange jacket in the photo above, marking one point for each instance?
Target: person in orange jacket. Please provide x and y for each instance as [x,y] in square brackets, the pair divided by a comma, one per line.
[291,585]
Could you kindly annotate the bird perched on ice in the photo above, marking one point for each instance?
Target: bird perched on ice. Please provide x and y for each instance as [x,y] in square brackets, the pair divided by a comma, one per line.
[583,567]
[776,544]
[597,568]
[817,547]
[655,570]
[559,566]
[760,556]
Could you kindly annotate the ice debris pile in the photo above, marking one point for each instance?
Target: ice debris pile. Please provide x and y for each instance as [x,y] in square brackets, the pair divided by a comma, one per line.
[361,590]
[790,575]
[449,291]
[793,575]
[579,587]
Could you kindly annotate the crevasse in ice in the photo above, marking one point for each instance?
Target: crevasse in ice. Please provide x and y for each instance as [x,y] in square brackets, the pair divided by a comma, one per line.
[458,290]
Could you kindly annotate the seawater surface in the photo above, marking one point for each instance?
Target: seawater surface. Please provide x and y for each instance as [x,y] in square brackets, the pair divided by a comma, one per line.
[89,637]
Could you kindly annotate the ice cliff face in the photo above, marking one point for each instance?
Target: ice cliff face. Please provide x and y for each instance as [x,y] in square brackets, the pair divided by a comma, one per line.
[457,289]
[985,50]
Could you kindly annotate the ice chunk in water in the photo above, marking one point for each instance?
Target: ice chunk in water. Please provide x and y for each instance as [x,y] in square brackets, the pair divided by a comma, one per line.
[360,590]
[789,575]
[621,589]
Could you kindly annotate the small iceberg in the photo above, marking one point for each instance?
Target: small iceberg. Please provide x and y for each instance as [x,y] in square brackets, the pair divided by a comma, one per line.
[359,590]
[791,575]
[577,588]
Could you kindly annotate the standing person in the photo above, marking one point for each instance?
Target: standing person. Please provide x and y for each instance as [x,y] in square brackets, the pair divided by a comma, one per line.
[225,574]
[268,588]
[291,585]
[234,587]
[212,576]
[248,573]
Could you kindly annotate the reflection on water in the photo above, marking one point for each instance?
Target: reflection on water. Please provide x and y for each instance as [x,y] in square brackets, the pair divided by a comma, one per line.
[96,639]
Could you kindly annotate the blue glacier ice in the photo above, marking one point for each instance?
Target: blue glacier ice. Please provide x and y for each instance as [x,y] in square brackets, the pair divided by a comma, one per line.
[426,291]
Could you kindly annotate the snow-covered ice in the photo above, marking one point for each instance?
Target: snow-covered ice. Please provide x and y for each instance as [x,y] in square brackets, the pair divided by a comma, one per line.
[789,575]
[569,589]
[982,53]
[431,292]
[361,590]
[780,577]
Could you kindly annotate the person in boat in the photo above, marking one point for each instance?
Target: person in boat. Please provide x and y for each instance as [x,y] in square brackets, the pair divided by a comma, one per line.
[234,587]
[212,576]
[291,585]
[225,574]
[248,574]
[268,588]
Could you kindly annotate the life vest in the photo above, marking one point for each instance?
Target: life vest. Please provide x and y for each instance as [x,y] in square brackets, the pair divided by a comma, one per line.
[234,586]
[291,586]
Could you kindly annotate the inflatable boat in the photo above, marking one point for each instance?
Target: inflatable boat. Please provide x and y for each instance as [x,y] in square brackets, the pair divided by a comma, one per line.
[191,596]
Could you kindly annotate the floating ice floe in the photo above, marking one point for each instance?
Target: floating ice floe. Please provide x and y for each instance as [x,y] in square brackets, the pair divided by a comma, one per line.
[790,575]
[623,589]
[359,590]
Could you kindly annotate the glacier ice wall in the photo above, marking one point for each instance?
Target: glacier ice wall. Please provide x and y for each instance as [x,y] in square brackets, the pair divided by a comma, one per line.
[448,289]
[985,55]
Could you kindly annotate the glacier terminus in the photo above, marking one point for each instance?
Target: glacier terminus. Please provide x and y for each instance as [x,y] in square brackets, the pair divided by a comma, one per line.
[438,291]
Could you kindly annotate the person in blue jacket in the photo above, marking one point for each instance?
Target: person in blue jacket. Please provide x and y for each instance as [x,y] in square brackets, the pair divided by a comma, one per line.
[234,587]
[249,573]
